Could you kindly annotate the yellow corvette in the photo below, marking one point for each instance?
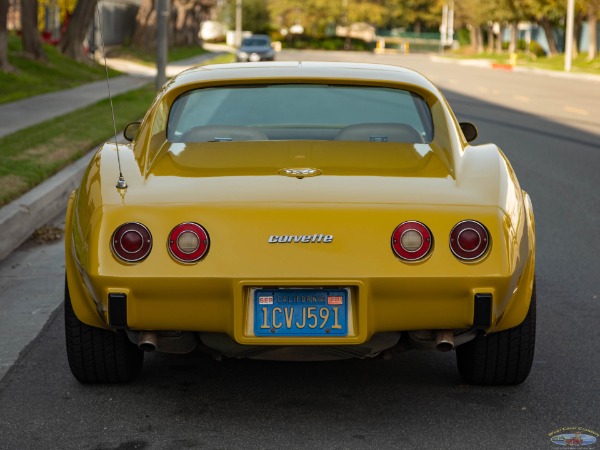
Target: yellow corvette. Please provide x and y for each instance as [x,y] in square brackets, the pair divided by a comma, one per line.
[300,211]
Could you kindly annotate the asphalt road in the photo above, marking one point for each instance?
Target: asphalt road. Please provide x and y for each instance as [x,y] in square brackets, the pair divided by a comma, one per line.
[416,401]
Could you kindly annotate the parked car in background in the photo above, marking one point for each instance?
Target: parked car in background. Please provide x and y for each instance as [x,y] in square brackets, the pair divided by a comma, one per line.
[256,48]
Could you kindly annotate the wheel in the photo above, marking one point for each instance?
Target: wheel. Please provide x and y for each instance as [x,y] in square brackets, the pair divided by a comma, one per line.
[502,358]
[96,355]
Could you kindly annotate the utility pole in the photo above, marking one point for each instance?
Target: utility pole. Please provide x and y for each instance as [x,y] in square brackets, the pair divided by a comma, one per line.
[447,26]
[569,35]
[444,27]
[162,8]
[238,23]
[450,38]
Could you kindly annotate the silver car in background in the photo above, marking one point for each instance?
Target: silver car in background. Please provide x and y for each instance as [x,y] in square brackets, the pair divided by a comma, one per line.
[256,48]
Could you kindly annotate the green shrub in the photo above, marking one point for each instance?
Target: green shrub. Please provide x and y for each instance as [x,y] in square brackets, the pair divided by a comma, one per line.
[305,42]
[536,49]
[463,37]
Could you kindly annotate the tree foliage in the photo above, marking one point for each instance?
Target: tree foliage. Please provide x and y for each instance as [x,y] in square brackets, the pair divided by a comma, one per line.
[416,15]
[255,16]
[316,15]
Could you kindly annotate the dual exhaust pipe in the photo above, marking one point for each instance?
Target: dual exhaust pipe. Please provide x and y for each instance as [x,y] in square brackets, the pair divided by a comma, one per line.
[444,340]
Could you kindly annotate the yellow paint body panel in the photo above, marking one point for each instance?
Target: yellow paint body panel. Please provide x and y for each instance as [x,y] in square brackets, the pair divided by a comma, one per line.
[234,190]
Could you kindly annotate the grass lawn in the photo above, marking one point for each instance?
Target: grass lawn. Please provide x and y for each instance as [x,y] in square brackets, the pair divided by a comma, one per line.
[580,63]
[34,78]
[30,156]
[149,58]
[59,72]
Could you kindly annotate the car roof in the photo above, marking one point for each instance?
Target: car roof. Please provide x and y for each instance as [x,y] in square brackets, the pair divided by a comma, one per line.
[299,71]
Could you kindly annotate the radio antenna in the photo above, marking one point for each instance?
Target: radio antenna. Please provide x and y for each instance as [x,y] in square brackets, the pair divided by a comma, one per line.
[121,183]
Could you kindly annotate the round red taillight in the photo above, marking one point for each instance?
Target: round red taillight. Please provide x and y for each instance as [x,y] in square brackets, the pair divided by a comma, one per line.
[412,241]
[188,242]
[469,240]
[131,242]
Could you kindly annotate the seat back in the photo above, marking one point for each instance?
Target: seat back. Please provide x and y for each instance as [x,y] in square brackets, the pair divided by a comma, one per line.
[380,132]
[222,133]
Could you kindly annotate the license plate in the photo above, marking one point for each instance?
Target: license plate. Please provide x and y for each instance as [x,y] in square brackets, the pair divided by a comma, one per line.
[301,312]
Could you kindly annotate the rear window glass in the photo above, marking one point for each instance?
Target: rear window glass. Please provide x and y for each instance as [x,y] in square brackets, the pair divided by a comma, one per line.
[255,42]
[300,111]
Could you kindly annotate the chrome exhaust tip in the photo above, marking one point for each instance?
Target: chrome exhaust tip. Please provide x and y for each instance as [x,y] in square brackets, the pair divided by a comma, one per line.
[148,341]
[444,340]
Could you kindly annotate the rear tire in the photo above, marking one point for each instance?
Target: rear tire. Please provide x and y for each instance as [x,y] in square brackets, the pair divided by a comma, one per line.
[503,358]
[96,355]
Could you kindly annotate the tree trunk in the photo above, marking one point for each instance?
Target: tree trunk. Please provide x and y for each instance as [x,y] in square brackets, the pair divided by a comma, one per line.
[547,26]
[577,25]
[71,43]
[593,29]
[473,37]
[499,39]
[4,64]
[479,39]
[144,35]
[32,42]
[490,39]
[185,19]
[476,39]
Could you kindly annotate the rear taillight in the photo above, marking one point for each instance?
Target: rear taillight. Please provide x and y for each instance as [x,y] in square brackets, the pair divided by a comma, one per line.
[131,242]
[412,241]
[469,240]
[188,242]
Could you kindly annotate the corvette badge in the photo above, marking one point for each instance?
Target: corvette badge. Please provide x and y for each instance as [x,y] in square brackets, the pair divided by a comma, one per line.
[301,239]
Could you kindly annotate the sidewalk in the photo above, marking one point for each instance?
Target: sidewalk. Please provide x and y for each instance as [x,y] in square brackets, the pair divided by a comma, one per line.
[20,218]
[24,113]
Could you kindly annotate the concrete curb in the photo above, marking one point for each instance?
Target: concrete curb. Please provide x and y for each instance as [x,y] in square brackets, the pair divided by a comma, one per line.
[487,64]
[20,218]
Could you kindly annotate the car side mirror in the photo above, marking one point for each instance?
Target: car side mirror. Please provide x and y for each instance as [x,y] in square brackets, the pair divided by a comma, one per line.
[131,130]
[469,130]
